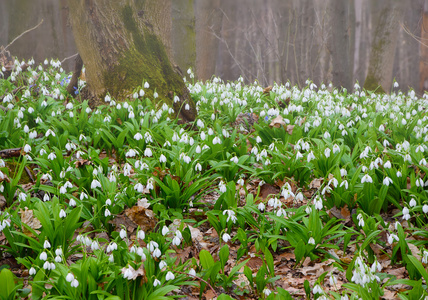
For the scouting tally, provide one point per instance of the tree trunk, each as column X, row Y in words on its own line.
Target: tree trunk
column 125, row 43
column 208, row 26
column 339, row 46
column 183, row 35
column 423, row 62
column 379, row 76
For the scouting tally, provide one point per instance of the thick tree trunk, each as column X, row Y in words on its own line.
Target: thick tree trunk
column 125, row 43
column 423, row 60
column 379, row 76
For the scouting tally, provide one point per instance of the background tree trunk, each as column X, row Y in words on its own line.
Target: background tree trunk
column 423, row 62
column 339, row 46
column 125, row 43
column 385, row 35
column 183, row 34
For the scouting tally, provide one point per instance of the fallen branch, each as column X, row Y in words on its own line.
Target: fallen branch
column 199, row 278
column 67, row 58
column 7, row 153
column 22, row 35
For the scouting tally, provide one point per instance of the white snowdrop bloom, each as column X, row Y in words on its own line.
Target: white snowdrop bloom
column 318, row 203
column 360, row 220
column 381, row 128
column 366, row 178
column 46, row 244
column 162, row 158
column 387, row 165
column 107, row 213
column 399, row 174
column 240, row 182
column 396, row 84
column 32, row 134
column 317, row 289
column 43, row 256
column 95, row 246
column 192, row 272
column 152, row 245
column 226, row 237
column 203, row 136
column 234, row 159
column 22, row 196
column 258, row 140
column 122, row 234
column 141, row 235
column 198, row 167
column 157, row 253
column 187, row 106
column 176, row 241
column 187, row 159
column 230, row 215
column 391, row 238
column 425, row 208
column 62, row 214
column 156, row 282
column 333, row 280
column 310, row 157
column 343, row 172
column 403, row 121
column 216, row 140
column 222, row 186
column 387, row 181
column 412, row 202
column 406, row 213
column 261, row 206
column 267, row 292
column 165, row 230
column 336, row 148
column 47, row 265
column 200, row 123
column 26, row 128
column 128, row 273
column 138, row 136
column 148, row 152
column 52, row 156
column 95, row 184
column 419, row 182
column 74, row 283
column 311, row 241
column 327, row 135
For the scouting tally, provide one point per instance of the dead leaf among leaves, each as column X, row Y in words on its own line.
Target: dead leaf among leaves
column 28, row 218
column 145, row 218
column 277, row 122
column 82, row 162
column 316, row 183
column 135, row 273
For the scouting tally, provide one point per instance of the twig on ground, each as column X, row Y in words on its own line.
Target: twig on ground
column 199, row 278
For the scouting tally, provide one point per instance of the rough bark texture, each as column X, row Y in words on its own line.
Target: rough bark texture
column 125, row 43
column 379, row 76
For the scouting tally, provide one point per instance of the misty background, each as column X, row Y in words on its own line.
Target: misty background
column 271, row 40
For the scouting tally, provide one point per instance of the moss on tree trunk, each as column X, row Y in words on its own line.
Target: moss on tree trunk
column 125, row 43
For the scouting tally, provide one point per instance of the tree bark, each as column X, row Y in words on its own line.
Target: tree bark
column 381, row 63
column 339, row 46
column 125, row 43
column 423, row 62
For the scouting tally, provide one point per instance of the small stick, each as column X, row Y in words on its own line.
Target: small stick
column 7, row 153
column 62, row 61
column 29, row 174
column 199, row 278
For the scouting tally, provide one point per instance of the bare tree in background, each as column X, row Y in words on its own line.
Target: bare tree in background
column 379, row 76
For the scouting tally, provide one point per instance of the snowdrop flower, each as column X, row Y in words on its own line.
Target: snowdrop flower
column 327, row 152
column 261, row 206
column 387, row 181
column 43, row 256
column 419, row 182
column 267, row 292
column 333, row 280
column 226, row 237
column 107, row 213
column 141, row 235
column 138, row 136
column 311, row 241
column 27, row 148
column 122, row 234
column 318, row 203
column 148, row 152
column 399, row 174
column 216, row 140
column 198, row 167
column 46, row 244
column 406, row 213
column 222, row 187
column 234, row 159
column 391, row 238
column 95, row 246
column 32, row 271
column 74, row 283
column 156, row 282
column 366, row 178
column 230, row 215
column 165, row 230
column 157, row 253
column 240, row 182
column 360, row 220
column 425, row 208
column 162, row 158
column 128, row 273
column 62, row 214
column 192, row 272
column 412, row 202
column 317, row 289
column 51, row 156
column 387, row 165
column 95, row 184
column 311, row 156
column 187, row 159
column 22, row 196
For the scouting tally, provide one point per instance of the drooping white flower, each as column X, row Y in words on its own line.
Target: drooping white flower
column 62, row 214
column 226, row 237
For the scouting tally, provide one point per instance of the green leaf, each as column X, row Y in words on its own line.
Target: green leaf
column 7, row 284
column 206, row 259
column 224, row 297
column 224, row 255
